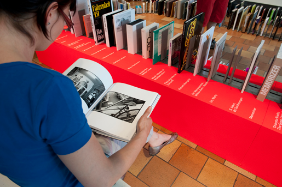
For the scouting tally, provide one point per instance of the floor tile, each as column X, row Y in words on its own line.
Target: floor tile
column 228, row 49
column 161, row 128
column 229, row 43
column 188, row 160
column 248, row 36
column 140, row 17
column 176, row 31
column 234, row 33
column 158, row 173
column 245, row 61
column 131, row 180
column 210, row 154
column 169, row 150
column 218, row 36
column 237, row 39
column 268, row 47
column 253, row 50
column 187, row 142
column 184, row 181
column 243, row 181
column 142, row 159
column 263, row 66
column 240, row 170
column 215, row 174
column 215, row 34
column 260, row 73
column 264, row 59
column 274, row 42
column 168, row 19
column 247, row 54
column 240, row 45
column 270, row 53
column 228, row 37
column 178, row 25
column 252, row 43
column 279, row 44
column 227, row 56
column 264, row 182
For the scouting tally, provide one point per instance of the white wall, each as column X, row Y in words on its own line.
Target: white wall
column 268, row 2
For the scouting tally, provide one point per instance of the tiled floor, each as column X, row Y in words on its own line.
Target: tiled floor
column 183, row 163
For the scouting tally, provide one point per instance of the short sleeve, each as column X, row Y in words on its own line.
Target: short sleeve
column 63, row 124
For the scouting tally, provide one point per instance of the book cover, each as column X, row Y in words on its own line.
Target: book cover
column 174, row 49
column 231, row 6
column 97, row 8
column 217, row 53
column 235, row 65
column 119, row 21
column 263, row 26
column 87, row 25
column 77, row 19
column 271, row 76
column 191, row 28
column 161, row 37
column 180, row 8
column 249, row 74
column 271, row 15
column 232, row 18
column 186, row 5
column 252, row 22
column 109, row 28
column 203, row 52
column 160, row 7
column 112, row 109
column 133, row 30
column 246, row 23
column 175, row 9
column 147, row 40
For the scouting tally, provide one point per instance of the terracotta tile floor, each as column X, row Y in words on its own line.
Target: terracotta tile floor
column 183, row 163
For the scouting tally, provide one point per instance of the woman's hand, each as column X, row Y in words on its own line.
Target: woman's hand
column 145, row 123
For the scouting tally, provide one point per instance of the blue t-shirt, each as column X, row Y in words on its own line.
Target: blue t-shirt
column 40, row 116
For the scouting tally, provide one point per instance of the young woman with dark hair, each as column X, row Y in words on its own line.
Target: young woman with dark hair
column 44, row 136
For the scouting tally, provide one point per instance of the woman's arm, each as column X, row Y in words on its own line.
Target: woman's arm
column 92, row 168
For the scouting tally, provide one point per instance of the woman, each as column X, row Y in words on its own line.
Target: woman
column 44, row 136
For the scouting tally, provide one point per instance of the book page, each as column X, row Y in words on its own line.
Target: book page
column 119, row 111
column 91, row 80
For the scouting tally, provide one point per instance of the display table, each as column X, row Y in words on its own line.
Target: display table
column 235, row 126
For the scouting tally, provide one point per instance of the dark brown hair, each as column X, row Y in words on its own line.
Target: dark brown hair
column 21, row 10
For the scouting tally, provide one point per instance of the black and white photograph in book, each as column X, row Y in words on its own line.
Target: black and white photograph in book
column 88, row 85
column 120, row 106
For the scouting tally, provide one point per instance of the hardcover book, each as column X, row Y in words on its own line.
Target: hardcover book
column 246, row 22
column 109, row 28
column 77, row 19
column 112, row 109
column 237, row 18
column 243, row 17
column 263, row 26
column 219, row 45
column 174, row 49
column 120, row 20
column 249, row 74
column 180, row 7
column 252, row 22
column 271, row 76
column 203, row 52
column 161, row 37
column 87, row 25
column 133, row 30
column 147, row 40
column 232, row 18
column 192, row 29
column 97, row 8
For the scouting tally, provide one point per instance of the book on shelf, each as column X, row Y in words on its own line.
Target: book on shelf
column 169, row 7
column 119, row 21
column 243, row 17
column 186, row 4
column 278, row 25
column 147, row 40
column 77, row 20
column 97, row 8
column 263, row 26
column 192, row 29
column 109, row 27
column 160, row 7
column 232, row 18
column 174, row 49
column 203, row 51
column 257, row 20
column 87, row 25
column 274, row 24
column 230, row 7
column 161, row 37
column 246, row 22
column 172, row 10
column 217, row 53
column 112, row 109
column 254, row 16
column 133, row 30
column 237, row 18
column 271, row 15
column 175, row 9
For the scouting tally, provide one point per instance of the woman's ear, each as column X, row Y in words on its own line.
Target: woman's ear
column 51, row 14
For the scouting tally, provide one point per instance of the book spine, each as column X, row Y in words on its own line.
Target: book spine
column 85, row 26
column 130, row 38
column 92, row 21
column 150, row 7
column 106, row 31
column 143, row 8
column 144, row 43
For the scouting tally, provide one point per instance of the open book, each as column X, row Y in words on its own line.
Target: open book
column 111, row 109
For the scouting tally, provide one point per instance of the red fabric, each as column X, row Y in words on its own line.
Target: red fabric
column 214, row 10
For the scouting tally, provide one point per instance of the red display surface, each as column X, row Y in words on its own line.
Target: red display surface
column 211, row 114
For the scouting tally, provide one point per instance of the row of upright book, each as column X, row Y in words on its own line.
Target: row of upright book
column 181, row 9
column 255, row 19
